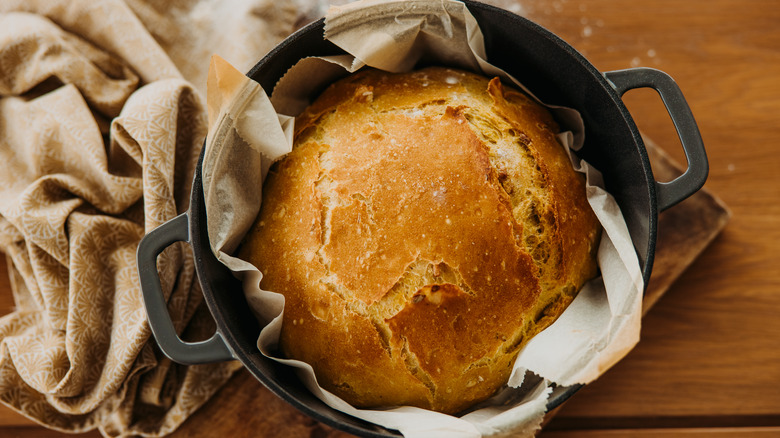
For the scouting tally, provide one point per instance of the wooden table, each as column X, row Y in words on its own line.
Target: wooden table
column 708, row 363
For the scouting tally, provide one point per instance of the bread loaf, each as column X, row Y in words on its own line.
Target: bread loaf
column 424, row 227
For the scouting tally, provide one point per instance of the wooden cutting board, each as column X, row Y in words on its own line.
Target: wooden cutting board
column 245, row 408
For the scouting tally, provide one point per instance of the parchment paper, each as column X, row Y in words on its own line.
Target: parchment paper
column 599, row 327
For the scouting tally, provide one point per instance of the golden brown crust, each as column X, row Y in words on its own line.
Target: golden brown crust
column 424, row 227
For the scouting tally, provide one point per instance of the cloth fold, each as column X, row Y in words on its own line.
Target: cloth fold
column 100, row 132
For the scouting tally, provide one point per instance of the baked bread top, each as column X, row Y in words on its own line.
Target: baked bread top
column 424, row 227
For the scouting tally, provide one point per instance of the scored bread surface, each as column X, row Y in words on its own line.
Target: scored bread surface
column 424, row 227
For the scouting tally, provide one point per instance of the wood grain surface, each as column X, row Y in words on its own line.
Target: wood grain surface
column 708, row 363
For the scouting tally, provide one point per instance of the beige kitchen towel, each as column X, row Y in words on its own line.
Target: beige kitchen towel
column 99, row 134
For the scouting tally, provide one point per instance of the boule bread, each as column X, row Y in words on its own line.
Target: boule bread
column 424, row 227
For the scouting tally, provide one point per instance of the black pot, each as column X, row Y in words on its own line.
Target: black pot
column 555, row 73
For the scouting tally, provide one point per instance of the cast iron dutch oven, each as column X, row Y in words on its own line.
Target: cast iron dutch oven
column 548, row 66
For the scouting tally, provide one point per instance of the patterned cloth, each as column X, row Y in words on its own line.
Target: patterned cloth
column 99, row 134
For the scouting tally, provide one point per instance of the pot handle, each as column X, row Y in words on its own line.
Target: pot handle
column 670, row 193
column 188, row 353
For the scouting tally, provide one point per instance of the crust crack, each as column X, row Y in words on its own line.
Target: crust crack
column 384, row 334
column 510, row 152
column 419, row 273
column 329, row 200
column 413, row 365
